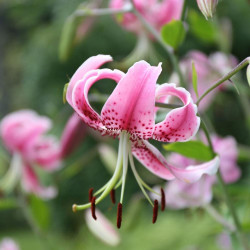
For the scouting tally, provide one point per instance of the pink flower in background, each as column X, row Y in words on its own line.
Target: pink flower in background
column 207, row 7
column 102, row 228
column 8, row 244
column 22, row 133
column 209, row 69
column 156, row 12
column 129, row 113
column 73, row 134
column 182, row 195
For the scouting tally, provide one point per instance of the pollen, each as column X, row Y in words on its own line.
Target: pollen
column 119, row 215
column 112, row 196
column 93, row 207
column 163, row 200
column 155, row 211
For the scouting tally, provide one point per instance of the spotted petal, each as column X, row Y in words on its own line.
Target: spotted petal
column 155, row 162
column 131, row 105
column 180, row 124
column 93, row 62
column 80, row 96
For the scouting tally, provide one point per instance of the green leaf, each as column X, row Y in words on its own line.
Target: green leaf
column 40, row 211
column 191, row 149
column 7, row 203
column 204, row 29
column 67, row 37
column 173, row 33
column 194, row 79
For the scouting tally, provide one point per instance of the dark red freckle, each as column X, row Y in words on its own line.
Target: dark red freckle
column 139, row 121
column 135, row 127
column 93, row 207
column 113, row 110
column 119, row 215
column 163, row 200
column 143, row 124
column 109, row 111
column 90, row 194
column 114, row 103
column 116, row 113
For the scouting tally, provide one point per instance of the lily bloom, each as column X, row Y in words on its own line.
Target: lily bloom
column 8, row 244
column 155, row 12
column 102, row 228
column 181, row 195
column 73, row 134
column 209, row 69
column 22, row 133
column 207, row 7
column 129, row 114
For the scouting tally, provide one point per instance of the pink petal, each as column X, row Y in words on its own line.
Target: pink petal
column 151, row 158
column 31, row 184
column 73, row 134
column 93, row 62
column 8, row 244
column 21, row 127
column 155, row 162
column 102, row 228
column 44, row 151
column 180, row 124
column 131, row 105
column 80, row 96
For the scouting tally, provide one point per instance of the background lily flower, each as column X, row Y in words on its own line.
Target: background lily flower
column 207, row 7
column 102, row 228
column 73, row 134
column 209, row 69
column 156, row 12
column 129, row 113
column 182, row 195
column 22, row 133
column 8, row 244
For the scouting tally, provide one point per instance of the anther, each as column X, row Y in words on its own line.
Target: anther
column 74, row 208
column 119, row 215
column 93, row 207
column 155, row 211
column 90, row 194
column 163, row 200
column 112, row 196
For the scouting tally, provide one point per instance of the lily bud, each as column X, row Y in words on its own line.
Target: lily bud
column 248, row 74
column 207, row 7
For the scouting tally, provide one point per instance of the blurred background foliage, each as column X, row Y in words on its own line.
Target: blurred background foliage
column 33, row 77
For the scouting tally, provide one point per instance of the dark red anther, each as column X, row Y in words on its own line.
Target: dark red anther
column 155, row 211
column 163, row 200
column 119, row 215
column 112, row 196
column 93, row 207
column 91, row 194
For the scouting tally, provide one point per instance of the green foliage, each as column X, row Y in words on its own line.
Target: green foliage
column 40, row 211
column 7, row 203
column 191, row 149
column 173, row 33
column 194, row 79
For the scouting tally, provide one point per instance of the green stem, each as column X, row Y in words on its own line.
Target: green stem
column 167, row 48
column 227, row 76
column 226, row 195
column 167, row 106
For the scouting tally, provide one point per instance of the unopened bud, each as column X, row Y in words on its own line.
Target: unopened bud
column 248, row 74
column 207, row 7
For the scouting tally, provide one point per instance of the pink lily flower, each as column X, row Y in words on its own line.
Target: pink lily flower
column 129, row 113
column 73, row 134
column 182, row 195
column 22, row 133
column 209, row 69
column 156, row 12
column 102, row 228
column 8, row 244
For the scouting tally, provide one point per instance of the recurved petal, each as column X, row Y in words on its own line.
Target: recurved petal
column 31, row 184
column 151, row 158
column 131, row 105
column 91, row 63
column 180, row 124
column 80, row 101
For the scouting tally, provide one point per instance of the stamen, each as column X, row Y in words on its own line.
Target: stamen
column 163, row 200
column 74, row 208
column 112, row 196
column 155, row 211
column 119, row 215
column 90, row 194
column 93, row 207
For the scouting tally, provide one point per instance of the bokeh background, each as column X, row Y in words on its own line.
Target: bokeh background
column 33, row 77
